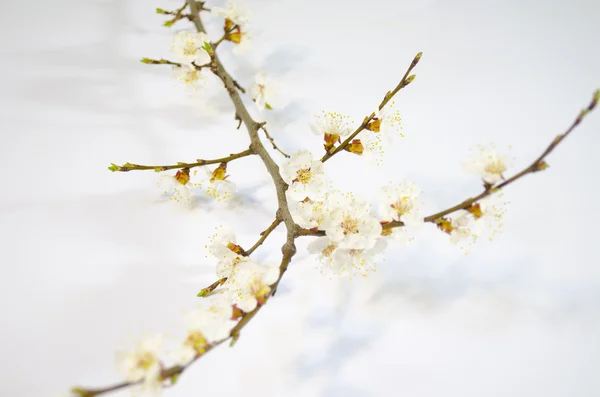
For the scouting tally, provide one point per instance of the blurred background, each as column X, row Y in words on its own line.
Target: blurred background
column 93, row 260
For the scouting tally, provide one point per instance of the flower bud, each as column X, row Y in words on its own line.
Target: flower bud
column 355, row 147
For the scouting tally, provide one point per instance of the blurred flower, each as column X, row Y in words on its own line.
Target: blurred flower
column 251, row 284
column 190, row 76
column 234, row 11
column 228, row 254
column 143, row 364
column 188, row 47
column 345, row 261
column 487, row 164
column 209, row 323
column 262, row 91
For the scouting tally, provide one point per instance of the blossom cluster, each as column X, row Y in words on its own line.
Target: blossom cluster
column 350, row 233
column 180, row 187
column 245, row 285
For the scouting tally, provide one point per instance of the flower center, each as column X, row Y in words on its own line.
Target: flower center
column 260, row 291
column 304, row 176
column 495, row 167
column 350, row 226
column 329, row 250
column 196, row 340
column 146, row 360
column 189, row 48
column 402, row 206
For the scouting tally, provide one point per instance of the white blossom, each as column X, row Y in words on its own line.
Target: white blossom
column 224, row 248
column 350, row 224
column 387, row 122
column 467, row 225
column 251, row 284
column 372, row 148
column 216, row 185
column 213, row 317
column 172, row 186
column 190, row 76
column 345, row 261
column 400, row 202
column 332, row 126
column 210, row 322
column 310, row 214
column 263, row 90
column 463, row 227
column 488, row 164
column 305, row 176
column 243, row 43
column 488, row 213
column 234, row 11
column 143, row 364
column 188, row 47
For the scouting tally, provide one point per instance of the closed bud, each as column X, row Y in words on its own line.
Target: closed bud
column 355, row 147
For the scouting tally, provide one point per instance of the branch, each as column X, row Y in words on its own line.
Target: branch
column 161, row 61
column 538, row 164
column 270, row 138
column 263, row 236
column 252, row 127
column 406, row 80
column 158, row 168
column 177, row 15
column 174, row 371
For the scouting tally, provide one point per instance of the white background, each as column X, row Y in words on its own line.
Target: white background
column 91, row 260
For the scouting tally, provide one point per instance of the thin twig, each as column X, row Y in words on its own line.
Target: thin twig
column 263, row 236
column 238, row 86
column 149, row 61
column 406, row 80
column 283, row 213
column 158, row 168
column 538, row 164
column 206, row 291
column 270, row 138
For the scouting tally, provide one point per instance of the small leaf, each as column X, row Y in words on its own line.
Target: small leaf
column 595, row 100
column 268, row 107
column 174, row 379
column 113, row 167
column 146, row 60
column 207, row 47
column 80, row 392
column 169, row 23
column 204, row 292
column 160, row 11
